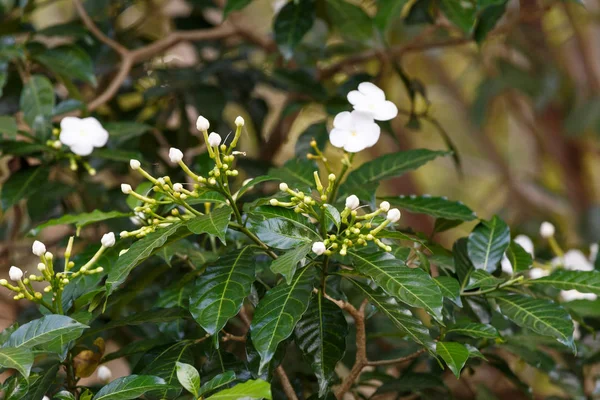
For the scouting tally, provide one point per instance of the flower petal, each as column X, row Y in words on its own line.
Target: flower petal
column 355, row 144
column 82, row 148
column 338, row 137
column 69, row 136
column 343, row 120
column 370, row 134
column 70, row 123
column 385, row 111
column 96, row 134
column 356, row 98
column 372, row 91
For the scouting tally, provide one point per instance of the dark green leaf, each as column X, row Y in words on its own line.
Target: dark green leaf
column 64, row 395
column 487, row 244
column 411, row 382
column 454, row 354
column 40, row 332
column 450, row 288
column 70, row 61
column 351, row 20
column 462, row 265
column 387, row 11
column 249, row 390
column 217, row 382
column 519, row 258
column 487, row 20
column 296, row 173
column 284, row 234
column 144, row 317
column 129, row 387
column 475, row 330
column 214, row 223
column 438, row 207
column 40, row 384
column 8, row 127
column 23, row 184
column 19, row 358
column 162, row 363
column 81, row 220
column 37, row 99
column 286, row 264
column 482, row 280
column 291, row 24
column 317, row 132
column 460, row 13
column 125, row 130
column 582, row 281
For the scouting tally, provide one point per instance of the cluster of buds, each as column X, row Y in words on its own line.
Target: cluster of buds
column 304, row 203
column 168, row 193
column 74, row 159
column 56, row 280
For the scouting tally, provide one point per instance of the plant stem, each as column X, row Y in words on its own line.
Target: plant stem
column 336, row 183
column 254, row 238
column 517, row 280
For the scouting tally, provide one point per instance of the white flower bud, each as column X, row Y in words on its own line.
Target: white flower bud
column 175, row 155
column 352, row 202
column 15, row 273
column 49, row 255
column 41, row 267
column 45, row 398
column 104, row 373
column 318, row 248
column 108, row 240
column 178, row 187
column 331, row 177
column 384, row 206
column 38, row 248
column 393, row 215
column 126, row 188
column 214, row 139
column 283, row 186
column 202, row 124
column 273, row 202
column 124, row 250
column 547, row 230
column 135, row 164
column 239, row 121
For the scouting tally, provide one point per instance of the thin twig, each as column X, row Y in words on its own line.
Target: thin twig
column 399, row 360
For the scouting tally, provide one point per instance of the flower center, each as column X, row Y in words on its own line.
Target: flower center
column 353, row 133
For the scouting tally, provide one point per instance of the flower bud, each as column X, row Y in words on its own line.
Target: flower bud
column 38, row 248
column 123, row 251
column 49, row 255
column 125, row 188
column 393, row 215
column 3, row 282
column 178, row 187
column 352, row 202
column 273, row 202
column 202, row 124
column 175, row 155
column 331, row 177
column 283, row 186
column 45, row 398
column 41, row 267
column 318, row 248
column 134, row 164
column 384, row 206
column 15, row 274
column 239, row 121
column 108, row 240
column 214, row 139
column 104, row 373
column 547, row 230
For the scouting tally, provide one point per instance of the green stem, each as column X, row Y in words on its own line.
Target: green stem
column 336, row 184
column 518, row 280
column 254, row 238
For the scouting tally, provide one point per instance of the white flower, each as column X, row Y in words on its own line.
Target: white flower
column 535, row 273
column 104, row 373
column 202, row 124
column 570, row 295
column 384, row 206
column 354, row 131
column 214, row 139
column 178, row 187
column 45, row 398
column 175, row 155
column 126, row 188
column 283, row 186
column 15, row 273
column 393, row 215
column 135, row 164
column 239, row 121
column 38, row 248
column 318, row 248
column 82, row 135
column 547, row 230
column 525, row 242
column 370, row 99
column 108, row 240
column 506, row 265
column 573, row 260
column 352, row 202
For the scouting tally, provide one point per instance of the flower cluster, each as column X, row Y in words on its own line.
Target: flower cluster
column 355, row 131
column 353, row 229
column 56, row 280
column 168, row 193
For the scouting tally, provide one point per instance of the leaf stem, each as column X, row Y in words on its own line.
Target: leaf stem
column 336, row 184
column 518, row 280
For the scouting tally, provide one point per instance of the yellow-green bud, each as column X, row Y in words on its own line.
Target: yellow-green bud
column 71, row 264
column 38, row 295
column 3, row 282
column 41, row 267
column 297, row 210
column 223, row 147
column 65, row 281
column 274, row 202
column 48, row 289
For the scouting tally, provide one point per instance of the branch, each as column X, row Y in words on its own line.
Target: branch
column 397, row 360
column 87, row 21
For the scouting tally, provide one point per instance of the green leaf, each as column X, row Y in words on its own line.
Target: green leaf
column 387, row 11
column 412, row 286
column 278, row 313
column 411, row 382
column 475, row 330
column 460, row 13
column 40, row 384
column 385, row 167
column 249, row 390
column 462, row 264
column 253, row 182
column 454, row 354
column 351, row 20
column 214, row 223
column 80, row 220
column 19, row 358
column 218, row 381
column 64, row 395
column 482, row 280
column 42, row 331
column 291, row 24
column 140, row 251
column 70, row 61
column 438, row 207
column 220, row 291
column 487, row 244
column 144, row 317
column 129, row 387
column 582, row 281
column 450, row 288
column 410, row 326
column 541, row 316
column 22, row 185
column 234, row 5
column 8, row 127
column 487, row 20
column 37, row 99
column 162, row 363
column 296, row 173
column 284, row 234
column 321, row 335
column 317, row 132
column 519, row 258
column 125, row 130
column 286, row 264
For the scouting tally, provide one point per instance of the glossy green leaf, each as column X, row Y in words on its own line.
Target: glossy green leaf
column 462, row 264
column 64, row 395
column 253, row 182
column 81, row 220
column 350, row 19
column 460, row 13
column 249, row 390
column 144, row 317
column 37, row 99
column 8, row 127
column 454, row 354
column 321, row 335
column 284, row 234
column 450, row 288
column 214, row 223
column 388, row 11
column 162, row 362
column 412, row 286
column 125, row 130
column 292, row 22
column 333, row 215
column 487, row 20
column 487, row 244
column 140, row 251
column 220, row 291
column 19, row 358
column 69, row 61
column 582, row 281
column 297, row 173
column 411, row 382
column 40, row 384
column 40, row 332
column 519, row 258
column 234, row 5
column 22, row 185
column 130, row 387
column 541, row 316
column 278, row 313
column 438, row 207
column 474, row 330
column 218, row 381
column 482, row 280
column 286, row 263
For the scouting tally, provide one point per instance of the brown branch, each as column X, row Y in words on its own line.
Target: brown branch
column 397, row 360
column 361, row 360
column 92, row 27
